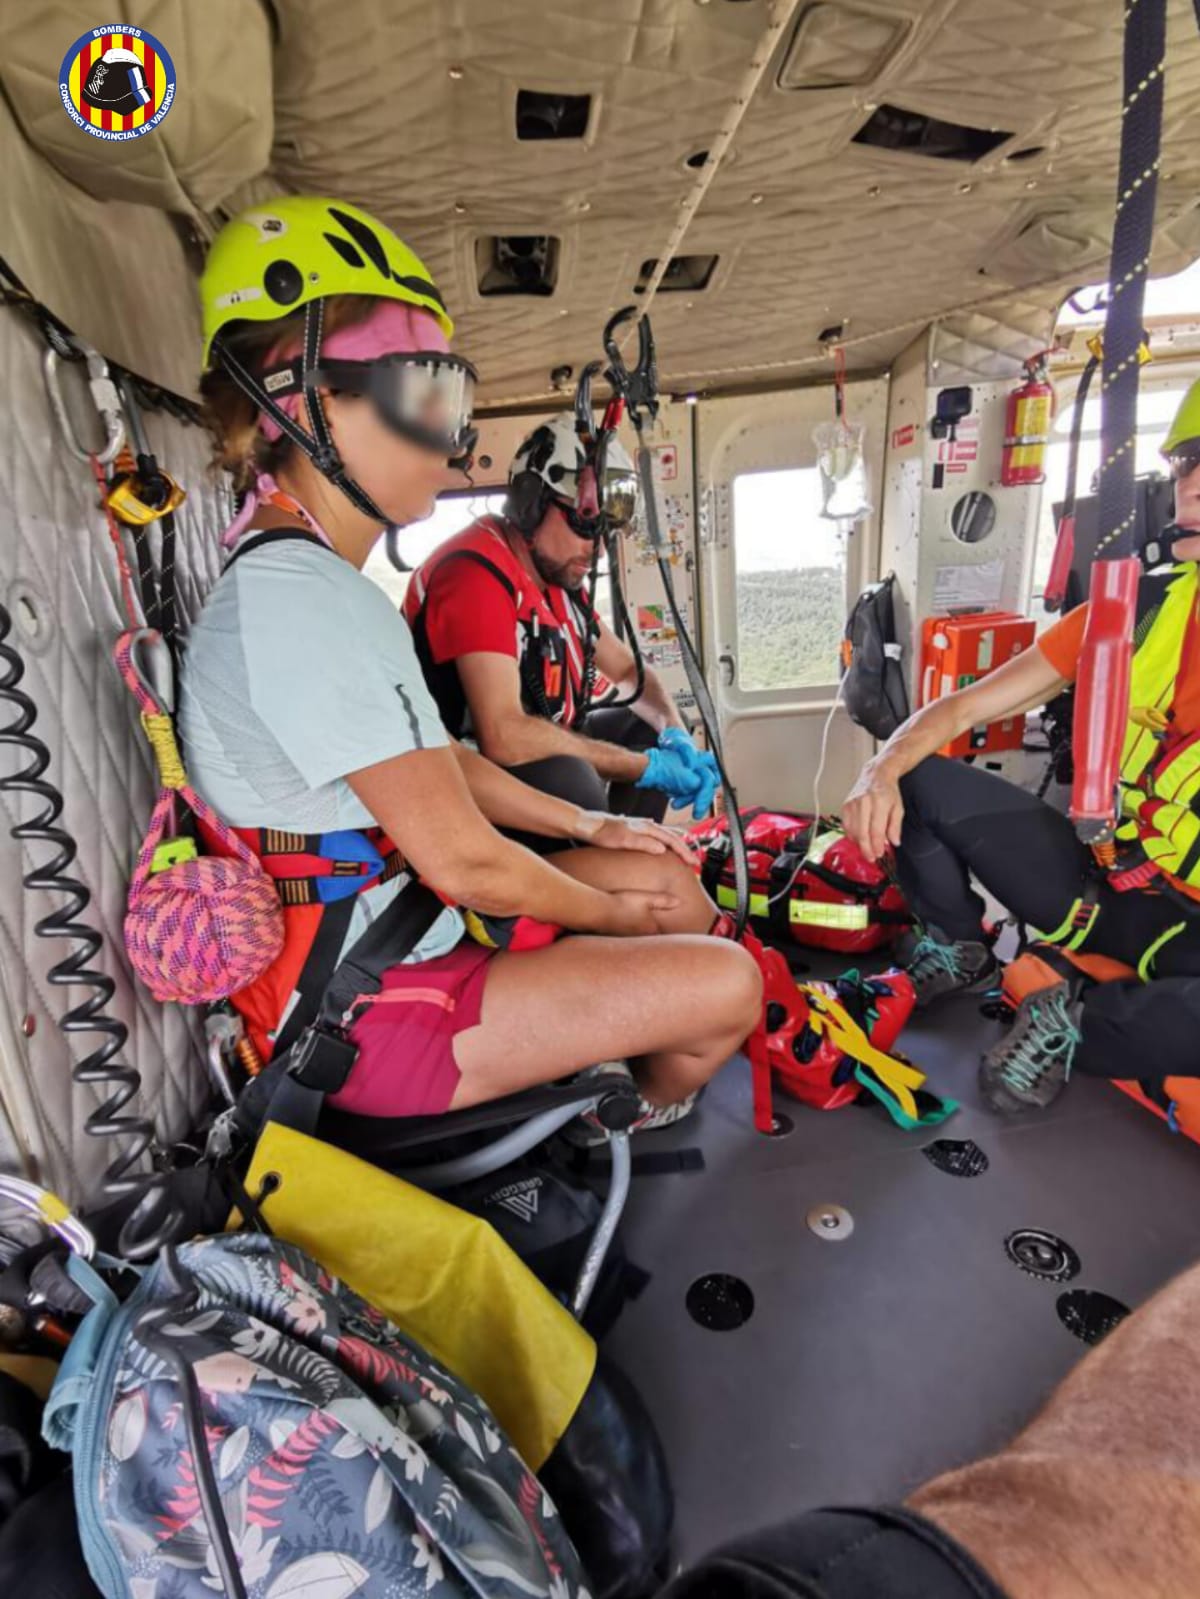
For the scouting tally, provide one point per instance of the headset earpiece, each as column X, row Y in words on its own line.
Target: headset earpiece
column 527, row 503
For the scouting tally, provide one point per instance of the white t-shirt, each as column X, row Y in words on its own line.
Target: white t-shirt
column 298, row 671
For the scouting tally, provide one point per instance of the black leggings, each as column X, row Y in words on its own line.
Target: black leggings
column 841, row 1554
column 961, row 822
column 571, row 778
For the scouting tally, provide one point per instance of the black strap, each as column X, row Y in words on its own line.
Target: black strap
column 275, row 535
column 501, row 576
column 390, row 938
column 317, row 972
column 318, row 1058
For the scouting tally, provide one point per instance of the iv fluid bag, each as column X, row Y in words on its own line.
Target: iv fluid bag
column 843, row 468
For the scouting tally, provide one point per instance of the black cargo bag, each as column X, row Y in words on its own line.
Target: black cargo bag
column 873, row 682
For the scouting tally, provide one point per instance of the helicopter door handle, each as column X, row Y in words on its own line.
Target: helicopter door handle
column 727, row 662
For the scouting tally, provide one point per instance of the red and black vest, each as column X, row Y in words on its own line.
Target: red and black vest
column 556, row 633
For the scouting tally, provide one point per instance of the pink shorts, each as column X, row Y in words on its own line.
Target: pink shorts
column 406, row 1033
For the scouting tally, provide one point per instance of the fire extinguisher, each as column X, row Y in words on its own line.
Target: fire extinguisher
column 1027, row 426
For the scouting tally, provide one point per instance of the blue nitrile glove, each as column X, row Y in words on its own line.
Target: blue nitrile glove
column 669, row 771
column 703, row 762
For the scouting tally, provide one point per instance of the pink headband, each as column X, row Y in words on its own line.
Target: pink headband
column 393, row 328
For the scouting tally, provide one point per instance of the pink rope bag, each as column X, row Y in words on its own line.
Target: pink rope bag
column 197, row 928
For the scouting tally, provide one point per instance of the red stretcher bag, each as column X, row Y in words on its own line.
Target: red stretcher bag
column 823, row 892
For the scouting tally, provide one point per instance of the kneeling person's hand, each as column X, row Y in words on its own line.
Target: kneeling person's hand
column 873, row 814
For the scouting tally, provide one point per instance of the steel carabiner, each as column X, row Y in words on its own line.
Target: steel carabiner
column 104, row 397
column 51, row 1211
column 637, row 385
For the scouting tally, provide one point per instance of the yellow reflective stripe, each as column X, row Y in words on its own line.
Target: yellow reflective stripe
column 727, row 897
column 1148, row 959
column 803, row 912
column 816, row 913
column 1154, row 671
column 1068, row 925
column 1063, row 928
column 1078, row 941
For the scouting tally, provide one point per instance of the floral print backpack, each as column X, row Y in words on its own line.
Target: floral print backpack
column 246, row 1425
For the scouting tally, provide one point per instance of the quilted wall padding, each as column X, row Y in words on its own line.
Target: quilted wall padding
column 58, row 579
column 116, row 271
column 218, row 131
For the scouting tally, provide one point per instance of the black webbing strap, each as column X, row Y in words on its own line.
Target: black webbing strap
column 1133, row 236
column 317, row 972
column 275, row 535
column 293, row 1087
column 532, row 688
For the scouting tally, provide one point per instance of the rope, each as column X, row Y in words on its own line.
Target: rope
column 159, row 728
column 678, row 380
column 782, row 13
column 1133, row 234
column 114, row 533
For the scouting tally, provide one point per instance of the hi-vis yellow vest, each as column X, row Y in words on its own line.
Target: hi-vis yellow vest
column 1160, row 781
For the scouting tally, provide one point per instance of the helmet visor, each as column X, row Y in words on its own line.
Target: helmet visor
column 1183, row 460
column 596, row 491
column 620, row 495
column 428, row 398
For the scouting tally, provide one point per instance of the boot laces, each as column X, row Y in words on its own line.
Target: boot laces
column 931, row 957
column 1049, row 1039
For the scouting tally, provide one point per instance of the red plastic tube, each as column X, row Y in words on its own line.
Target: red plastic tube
column 1102, row 697
column 1060, row 567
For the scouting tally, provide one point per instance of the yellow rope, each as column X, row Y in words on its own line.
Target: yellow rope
column 161, row 733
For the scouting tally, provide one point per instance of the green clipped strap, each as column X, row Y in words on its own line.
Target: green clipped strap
column 931, row 1109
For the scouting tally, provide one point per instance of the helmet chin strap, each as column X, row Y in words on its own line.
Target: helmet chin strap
column 1159, row 549
column 318, row 446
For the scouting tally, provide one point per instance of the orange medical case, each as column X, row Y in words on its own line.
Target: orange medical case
column 957, row 650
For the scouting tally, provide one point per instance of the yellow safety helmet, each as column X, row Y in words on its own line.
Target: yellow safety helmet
column 1186, row 425
column 276, row 257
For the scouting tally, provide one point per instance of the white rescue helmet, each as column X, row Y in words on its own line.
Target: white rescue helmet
column 552, row 466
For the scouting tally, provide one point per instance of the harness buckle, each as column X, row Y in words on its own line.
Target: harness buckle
column 327, row 461
column 322, row 1059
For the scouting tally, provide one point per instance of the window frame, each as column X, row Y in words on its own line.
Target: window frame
column 807, row 695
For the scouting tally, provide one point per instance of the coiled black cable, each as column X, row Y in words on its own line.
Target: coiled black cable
column 154, row 1219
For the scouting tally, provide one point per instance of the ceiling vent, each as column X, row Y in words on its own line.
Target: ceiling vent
column 552, row 116
column 913, row 133
column 684, row 272
column 839, row 46
column 519, row 263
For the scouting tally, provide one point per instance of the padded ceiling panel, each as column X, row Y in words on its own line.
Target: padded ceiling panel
column 811, row 229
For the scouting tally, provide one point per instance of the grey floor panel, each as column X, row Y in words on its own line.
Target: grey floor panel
column 872, row 1364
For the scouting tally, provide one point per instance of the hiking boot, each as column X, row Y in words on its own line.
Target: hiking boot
column 938, row 967
column 1030, row 1067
